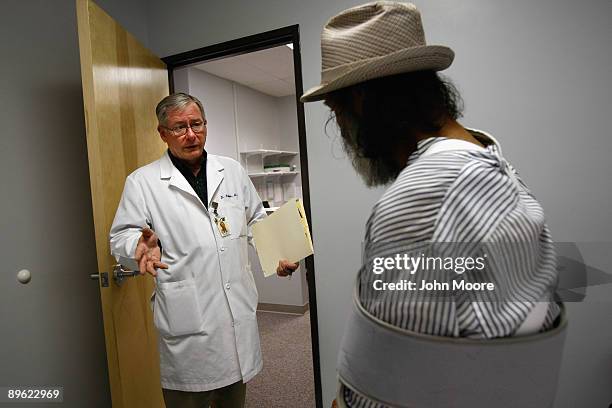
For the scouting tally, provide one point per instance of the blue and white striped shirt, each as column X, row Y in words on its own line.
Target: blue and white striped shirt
column 461, row 196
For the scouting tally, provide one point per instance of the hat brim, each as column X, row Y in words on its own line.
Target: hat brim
column 427, row 57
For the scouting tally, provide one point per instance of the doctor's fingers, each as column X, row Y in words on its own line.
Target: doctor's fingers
column 150, row 264
column 146, row 257
column 142, row 264
column 141, row 248
column 281, row 271
column 151, row 268
column 287, row 267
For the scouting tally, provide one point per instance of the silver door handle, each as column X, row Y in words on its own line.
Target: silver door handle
column 119, row 274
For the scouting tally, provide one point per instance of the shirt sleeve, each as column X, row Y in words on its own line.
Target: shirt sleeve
column 131, row 217
column 488, row 214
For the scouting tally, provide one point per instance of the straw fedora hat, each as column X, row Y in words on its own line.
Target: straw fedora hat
column 372, row 41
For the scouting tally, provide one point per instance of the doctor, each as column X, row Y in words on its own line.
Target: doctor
column 184, row 219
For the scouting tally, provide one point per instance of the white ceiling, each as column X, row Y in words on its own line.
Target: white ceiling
column 269, row 71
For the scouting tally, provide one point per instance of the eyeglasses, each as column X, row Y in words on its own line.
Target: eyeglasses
column 181, row 130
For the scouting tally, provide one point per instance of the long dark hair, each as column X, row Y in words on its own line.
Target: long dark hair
column 395, row 108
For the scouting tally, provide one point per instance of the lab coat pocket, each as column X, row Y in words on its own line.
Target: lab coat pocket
column 237, row 220
column 177, row 309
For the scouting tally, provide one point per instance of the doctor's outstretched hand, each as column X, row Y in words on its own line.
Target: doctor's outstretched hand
column 286, row 268
column 148, row 253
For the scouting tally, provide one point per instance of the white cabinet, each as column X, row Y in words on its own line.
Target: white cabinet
column 256, row 161
column 275, row 174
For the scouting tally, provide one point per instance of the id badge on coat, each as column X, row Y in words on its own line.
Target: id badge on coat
column 223, row 226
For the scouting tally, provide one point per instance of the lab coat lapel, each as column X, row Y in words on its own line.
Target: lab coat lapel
column 214, row 176
column 169, row 172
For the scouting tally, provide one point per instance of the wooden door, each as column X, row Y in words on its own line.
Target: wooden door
column 122, row 83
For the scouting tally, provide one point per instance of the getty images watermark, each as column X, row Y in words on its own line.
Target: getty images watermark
column 487, row 271
column 412, row 264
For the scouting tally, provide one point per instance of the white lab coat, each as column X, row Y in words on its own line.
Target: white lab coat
column 204, row 303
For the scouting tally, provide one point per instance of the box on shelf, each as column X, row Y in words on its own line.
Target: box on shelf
column 275, row 168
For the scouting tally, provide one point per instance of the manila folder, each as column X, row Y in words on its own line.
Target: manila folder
column 282, row 235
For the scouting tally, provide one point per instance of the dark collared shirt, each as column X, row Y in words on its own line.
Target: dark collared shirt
column 198, row 183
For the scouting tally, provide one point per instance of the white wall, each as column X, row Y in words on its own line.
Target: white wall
column 534, row 73
column 216, row 95
column 287, row 124
column 257, row 119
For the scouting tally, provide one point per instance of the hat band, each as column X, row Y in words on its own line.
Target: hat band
column 330, row 74
column 424, row 51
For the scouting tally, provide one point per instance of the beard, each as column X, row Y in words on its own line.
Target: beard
column 374, row 169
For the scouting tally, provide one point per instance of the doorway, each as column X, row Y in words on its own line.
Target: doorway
column 250, row 90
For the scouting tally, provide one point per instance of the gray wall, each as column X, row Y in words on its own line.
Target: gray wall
column 51, row 328
column 534, row 73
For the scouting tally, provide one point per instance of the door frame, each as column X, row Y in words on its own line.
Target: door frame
column 249, row 44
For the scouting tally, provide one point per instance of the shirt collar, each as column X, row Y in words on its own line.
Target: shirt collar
column 422, row 145
column 183, row 168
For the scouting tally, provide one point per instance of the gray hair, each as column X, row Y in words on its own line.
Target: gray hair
column 177, row 101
